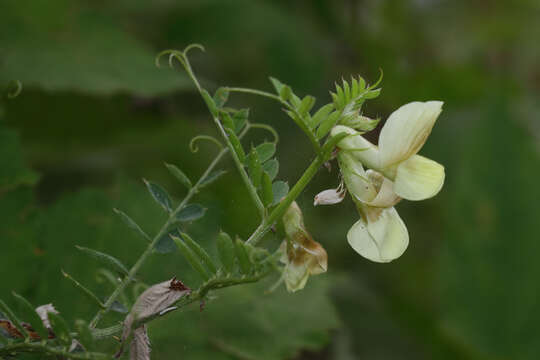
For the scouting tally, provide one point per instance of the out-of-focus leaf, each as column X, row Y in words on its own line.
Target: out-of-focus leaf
column 14, row 319
column 118, row 307
column 239, row 119
column 221, row 96
column 29, row 314
column 92, row 53
column 84, row 335
column 13, row 172
column 263, row 326
column 60, row 328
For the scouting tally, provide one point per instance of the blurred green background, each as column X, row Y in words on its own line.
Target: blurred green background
column 96, row 116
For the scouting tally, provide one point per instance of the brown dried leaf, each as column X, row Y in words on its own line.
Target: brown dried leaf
column 153, row 301
column 140, row 345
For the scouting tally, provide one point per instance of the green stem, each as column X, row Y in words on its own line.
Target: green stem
column 239, row 165
column 198, row 295
column 43, row 348
column 257, row 92
column 301, row 122
column 286, row 202
column 133, row 271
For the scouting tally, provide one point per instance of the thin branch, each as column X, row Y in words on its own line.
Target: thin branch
column 133, row 271
column 43, row 348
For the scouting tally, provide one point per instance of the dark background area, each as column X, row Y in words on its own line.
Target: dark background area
column 96, row 115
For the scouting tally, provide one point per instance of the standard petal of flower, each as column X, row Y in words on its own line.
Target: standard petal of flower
column 355, row 177
column 419, row 178
column 355, row 144
column 329, row 197
column 381, row 239
column 406, row 131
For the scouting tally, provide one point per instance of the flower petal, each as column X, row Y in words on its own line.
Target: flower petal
column 295, row 276
column 386, row 197
column 355, row 177
column 419, row 178
column 355, row 144
column 382, row 239
column 406, row 131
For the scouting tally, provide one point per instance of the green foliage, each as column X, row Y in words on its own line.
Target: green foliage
column 190, row 212
column 184, row 180
column 262, row 326
column 60, row 328
column 92, row 53
column 13, row 171
column 106, row 259
column 30, row 315
column 160, row 195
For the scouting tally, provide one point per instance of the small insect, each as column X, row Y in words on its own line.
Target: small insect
column 178, row 285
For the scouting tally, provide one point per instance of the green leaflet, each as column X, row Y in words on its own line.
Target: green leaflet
column 265, row 151
column 84, row 336
column 321, row 115
column 105, row 259
column 193, row 260
column 132, row 224
column 327, row 124
column 306, row 105
column 221, row 96
column 226, row 251
column 242, row 256
column 29, row 314
column 280, row 189
column 236, row 145
column 191, row 212
column 209, row 103
column 271, row 167
column 200, row 252
column 213, row 176
column 266, row 190
column 160, row 195
column 88, row 293
column 14, row 319
column 239, row 119
column 179, row 175
column 60, row 328
column 255, row 168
